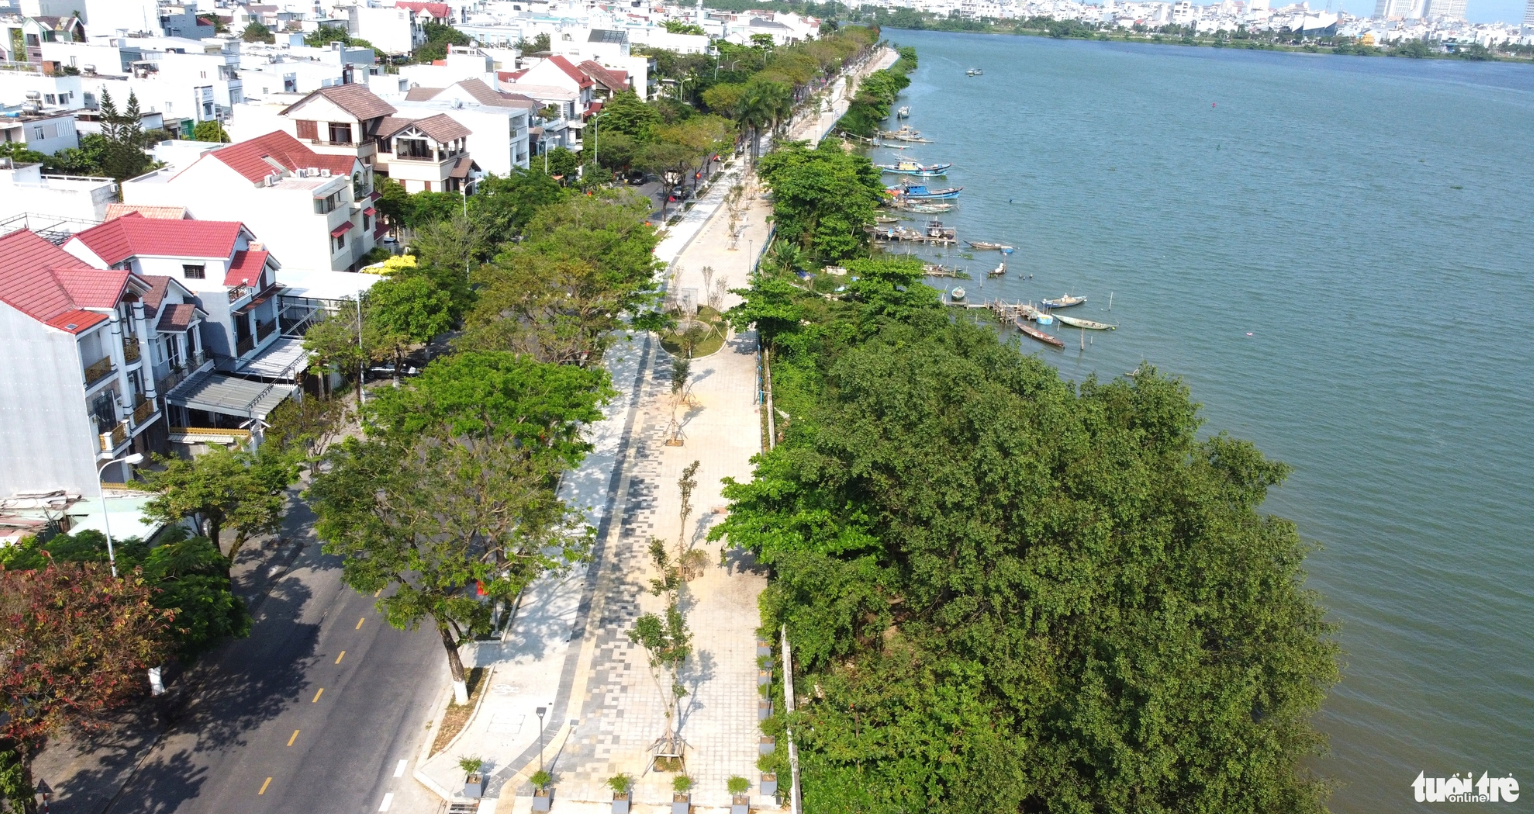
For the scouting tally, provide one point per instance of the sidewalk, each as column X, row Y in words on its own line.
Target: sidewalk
column 569, row 651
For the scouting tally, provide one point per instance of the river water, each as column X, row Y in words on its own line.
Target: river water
column 1337, row 255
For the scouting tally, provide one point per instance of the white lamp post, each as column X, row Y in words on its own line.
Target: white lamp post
column 132, row 459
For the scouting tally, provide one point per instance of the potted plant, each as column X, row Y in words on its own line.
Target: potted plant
column 769, row 784
column 474, row 779
column 543, row 796
column 740, row 801
column 621, row 784
column 681, row 800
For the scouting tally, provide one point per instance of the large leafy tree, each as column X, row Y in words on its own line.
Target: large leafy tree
column 220, row 488
column 451, row 499
column 1012, row 594
column 75, row 643
column 763, row 104
column 626, row 113
column 406, row 311
column 823, row 198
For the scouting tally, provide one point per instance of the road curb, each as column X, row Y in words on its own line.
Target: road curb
column 424, row 753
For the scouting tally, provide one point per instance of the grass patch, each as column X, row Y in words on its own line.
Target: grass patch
column 457, row 715
column 705, row 334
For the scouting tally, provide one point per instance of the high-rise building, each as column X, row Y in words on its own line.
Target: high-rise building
column 1444, row 9
column 1528, row 14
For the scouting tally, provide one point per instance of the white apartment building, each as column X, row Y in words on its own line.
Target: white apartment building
column 24, row 189
column 498, row 122
column 84, row 347
column 45, row 132
column 313, row 210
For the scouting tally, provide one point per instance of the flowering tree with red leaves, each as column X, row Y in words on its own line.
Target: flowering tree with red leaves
column 74, row 644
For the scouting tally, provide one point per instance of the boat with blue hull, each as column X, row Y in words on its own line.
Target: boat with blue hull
column 920, row 192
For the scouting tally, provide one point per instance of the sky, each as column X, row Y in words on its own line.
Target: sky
column 1477, row 11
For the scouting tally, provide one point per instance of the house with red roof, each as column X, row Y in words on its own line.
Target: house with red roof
column 340, row 120
column 314, row 210
column 90, row 354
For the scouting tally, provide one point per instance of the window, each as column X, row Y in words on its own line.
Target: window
column 50, row 98
column 340, row 242
column 340, row 133
column 367, row 222
column 194, row 272
column 308, row 130
column 326, row 205
column 37, row 132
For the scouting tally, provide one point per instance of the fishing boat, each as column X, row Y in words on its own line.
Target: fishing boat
column 974, row 72
column 956, row 294
column 1084, row 323
column 985, row 245
column 903, row 113
column 907, row 167
column 906, row 134
column 1038, row 334
column 920, row 192
column 937, row 231
column 928, row 208
column 1065, row 301
column 886, row 219
column 1000, row 269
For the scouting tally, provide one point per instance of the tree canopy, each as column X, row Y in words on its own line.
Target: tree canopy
column 822, row 198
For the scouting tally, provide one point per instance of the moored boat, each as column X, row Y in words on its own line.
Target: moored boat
column 956, row 294
column 928, row 208
column 903, row 113
column 1065, row 301
column 1000, row 269
column 920, row 192
column 1084, row 323
column 986, row 245
column 905, row 167
column 1035, row 333
column 974, row 72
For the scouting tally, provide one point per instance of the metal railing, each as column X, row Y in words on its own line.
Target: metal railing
column 238, row 292
column 98, row 371
column 245, row 346
column 115, row 438
column 178, row 373
column 240, row 434
column 142, row 412
column 131, row 351
column 264, row 329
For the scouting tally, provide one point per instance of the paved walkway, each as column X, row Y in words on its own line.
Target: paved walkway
column 568, row 651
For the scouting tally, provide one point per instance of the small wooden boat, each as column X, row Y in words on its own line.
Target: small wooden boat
column 886, row 219
column 920, row 192
column 903, row 113
column 937, row 231
column 905, row 167
column 928, row 208
column 998, row 271
column 1038, row 334
column 1065, row 301
column 956, row 294
column 1084, row 323
column 986, row 245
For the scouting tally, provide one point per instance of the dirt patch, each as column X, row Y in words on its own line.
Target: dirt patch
column 457, row 715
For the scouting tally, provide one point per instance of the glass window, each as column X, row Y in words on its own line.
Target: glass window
column 340, row 133
column 194, row 272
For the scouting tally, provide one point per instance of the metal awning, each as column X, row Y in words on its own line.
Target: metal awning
column 369, row 211
column 283, row 359
column 229, row 395
column 341, row 230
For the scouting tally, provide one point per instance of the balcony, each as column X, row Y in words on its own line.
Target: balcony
column 142, row 413
column 238, row 293
column 118, row 436
column 178, row 374
column 131, row 352
column 244, row 346
column 264, row 329
column 98, row 371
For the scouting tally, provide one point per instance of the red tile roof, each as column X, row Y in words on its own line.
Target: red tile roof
column 156, row 293
column 438, row 10
column 571, row 71
column 250, row 158
column 246, row 268
column 43, row 281
column 607, row 78
column 134, row 235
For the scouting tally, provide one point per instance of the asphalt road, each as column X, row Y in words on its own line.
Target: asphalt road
column 315, row 711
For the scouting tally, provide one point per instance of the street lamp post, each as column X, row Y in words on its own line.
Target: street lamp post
column 132, row 459
column 541, row 711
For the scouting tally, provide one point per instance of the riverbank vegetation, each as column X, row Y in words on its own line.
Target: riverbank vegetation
column 1006, row 591
column 871, row 103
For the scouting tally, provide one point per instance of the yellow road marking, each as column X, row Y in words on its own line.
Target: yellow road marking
column 377, row 592
column 359, row 623
column 342, row 656
column 263, row 787
column 317, row 696
column 294, row 738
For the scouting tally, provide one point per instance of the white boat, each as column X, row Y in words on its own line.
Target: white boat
column 974, row 72
column 1001, row 268
column 903, row 113
column 1084, row 323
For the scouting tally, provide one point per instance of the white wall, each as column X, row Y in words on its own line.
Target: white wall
column 25, row 189
column 14, row 87
column 107, row 16
column 388, row 29
column 46, row 437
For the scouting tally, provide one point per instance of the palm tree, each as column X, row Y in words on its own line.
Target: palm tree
column 763, row 104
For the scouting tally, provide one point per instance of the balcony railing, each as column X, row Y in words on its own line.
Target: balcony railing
column 115, row 438
column 237, row 292
column 178, row 374
column 98, row 371
column 264, row 329
column 244, row 346
column 143, row 411
column 130, row 349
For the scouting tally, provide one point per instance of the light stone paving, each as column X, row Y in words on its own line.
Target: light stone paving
column 568, row 650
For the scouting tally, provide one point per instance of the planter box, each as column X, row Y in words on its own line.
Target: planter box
column 769, row 784
column 740, row 804
column 763, row 709
column 768, row 745
column 763, row 678
column 474, row 786
column 542, row 799
column 681, row 804
column 763, row 648
column 620, row 804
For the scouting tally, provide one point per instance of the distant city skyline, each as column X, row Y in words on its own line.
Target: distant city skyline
column 1476, row 11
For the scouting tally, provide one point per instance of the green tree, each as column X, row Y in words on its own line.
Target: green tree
column 505, row 204
column 122, row 134
column 682, row 27
column 325, row 35
column 337, row 342
column 191, row 579
column 763, row 105
column 256, row 32
column 210, row 131
column 537, row 45
column 561, row 163
column 18, row 153
column 220, row 488
column 822, row 198
column 84, row 160
column 626, row 113
column 406, row 311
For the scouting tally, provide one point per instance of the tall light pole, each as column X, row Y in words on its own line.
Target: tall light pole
column 541, row 711
column 132, row 459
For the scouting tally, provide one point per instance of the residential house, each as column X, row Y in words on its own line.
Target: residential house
column 391, row 30
column 41, row 131
column 25, row 189
column 497, row 121
column 605, row 81
column 313, row 210
column 343, row 120
column 426, row 155
column 82, row 371
column 234, row 281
